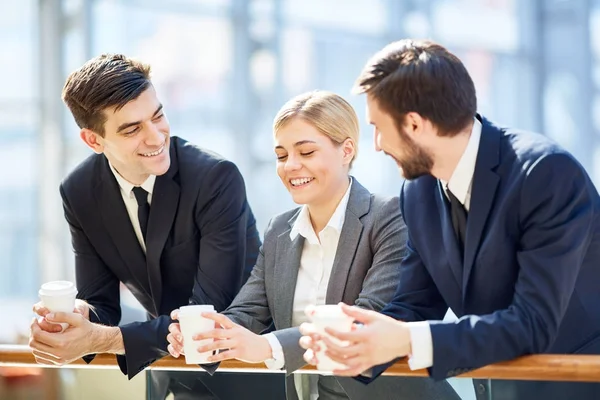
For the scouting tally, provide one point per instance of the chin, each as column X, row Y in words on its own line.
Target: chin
column 300, row 199
column 162, row 168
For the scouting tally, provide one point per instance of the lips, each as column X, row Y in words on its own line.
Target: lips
column 154, row 153
column 300, row 181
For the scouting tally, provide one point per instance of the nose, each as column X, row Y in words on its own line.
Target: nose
column 292, row 164
column 376, row 140
column 154, row 137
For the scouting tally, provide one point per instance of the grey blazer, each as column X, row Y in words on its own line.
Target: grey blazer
column 365, row 273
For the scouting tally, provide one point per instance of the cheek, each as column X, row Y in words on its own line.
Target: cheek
column 280, row 171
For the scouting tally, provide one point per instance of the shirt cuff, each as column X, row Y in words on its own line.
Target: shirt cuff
column 421, row 345
column 278, row 361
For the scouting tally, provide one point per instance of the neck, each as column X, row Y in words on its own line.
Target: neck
column 321, row 213
column 134, row 179
column 448, row 152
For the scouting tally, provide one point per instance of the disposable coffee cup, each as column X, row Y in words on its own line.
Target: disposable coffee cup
column 58, row 296
column 192, row 323
column 329, row 316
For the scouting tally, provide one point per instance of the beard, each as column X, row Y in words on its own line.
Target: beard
column 417, row 161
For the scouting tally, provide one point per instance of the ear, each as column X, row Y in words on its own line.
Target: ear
column 413, row 124
column 92, row 139
column 349, row 150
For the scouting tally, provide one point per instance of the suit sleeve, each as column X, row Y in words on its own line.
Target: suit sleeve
column 222, row 217
column 250, row 308
column 96, row 283
column 556, row 216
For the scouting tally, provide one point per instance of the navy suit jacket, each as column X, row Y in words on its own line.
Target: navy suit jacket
column 201, row 243
column 530, row 279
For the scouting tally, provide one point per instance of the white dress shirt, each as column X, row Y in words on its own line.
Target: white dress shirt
column 131, row 203
column 316, row 263
column 460, row 185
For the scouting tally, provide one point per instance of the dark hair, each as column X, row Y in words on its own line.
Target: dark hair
column 109, row 80
column 423, row 77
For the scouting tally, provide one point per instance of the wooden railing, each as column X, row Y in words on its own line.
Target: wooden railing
column 544, row 367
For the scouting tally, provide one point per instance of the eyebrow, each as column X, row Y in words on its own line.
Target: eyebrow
column 300, row 143
column 130, row 124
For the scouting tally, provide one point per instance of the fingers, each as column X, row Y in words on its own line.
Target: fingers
column 175, row 329
column 307, row 343
column 359, row 314
column 83, row 308
column 215, row 334
column 73, row 319
column 220, row 319
column 309, row 329
column 175, row 314
column 310, row 358
column 310, row 310
column 217, row 345
column 176, row 344
column 172, row 350
column 40, row 310
column 352, row 336
column 222, row 356
column 344, row 350
column 47, row 326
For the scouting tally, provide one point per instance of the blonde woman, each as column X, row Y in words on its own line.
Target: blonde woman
column 342, row 244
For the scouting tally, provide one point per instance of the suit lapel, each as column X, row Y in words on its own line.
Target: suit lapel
column 449, row 237
column 118, row 224
column 287, row 264
column 165, row 200
column 359, row 203
column 483, row 190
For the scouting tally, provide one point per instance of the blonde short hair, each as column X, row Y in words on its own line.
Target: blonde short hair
column 329, row 113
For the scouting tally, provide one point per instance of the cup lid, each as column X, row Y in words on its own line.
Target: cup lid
column 196, row 309
column 58, row 288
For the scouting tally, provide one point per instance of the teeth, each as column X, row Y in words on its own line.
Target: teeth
column 157, row 152
column 300, row 181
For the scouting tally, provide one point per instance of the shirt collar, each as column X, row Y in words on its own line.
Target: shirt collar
column 127, row 186
column 303, row 226
column 462, row 177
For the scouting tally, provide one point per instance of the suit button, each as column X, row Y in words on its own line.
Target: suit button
column 481, row 388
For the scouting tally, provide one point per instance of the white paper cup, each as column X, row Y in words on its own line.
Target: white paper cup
column 59, row 296
column 192, row 323
column 329, row 316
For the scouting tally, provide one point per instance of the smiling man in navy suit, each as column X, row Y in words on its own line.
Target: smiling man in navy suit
column 503, row 228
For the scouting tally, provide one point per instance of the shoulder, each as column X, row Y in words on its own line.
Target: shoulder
column 84, row 175
column 281, row 223
column 205, row 172
column 193, row 159
column 527, row 149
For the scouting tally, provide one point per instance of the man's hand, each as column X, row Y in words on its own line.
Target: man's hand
column 79, row 339
column 380, row 339
column 81, row 307
column 175, row 338
column 237, row 341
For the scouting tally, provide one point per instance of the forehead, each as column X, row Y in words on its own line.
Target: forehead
column 297, row 130
column 373, row 111
column 139, row 109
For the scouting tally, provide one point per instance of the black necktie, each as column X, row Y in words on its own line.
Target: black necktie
column 459, row 219
column 143, row 208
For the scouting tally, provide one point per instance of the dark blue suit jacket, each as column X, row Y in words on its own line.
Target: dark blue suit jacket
column 530, row 279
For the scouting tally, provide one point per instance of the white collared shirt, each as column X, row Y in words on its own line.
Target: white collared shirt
column 460, row 184
column 131, row 203
column 316, row 263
